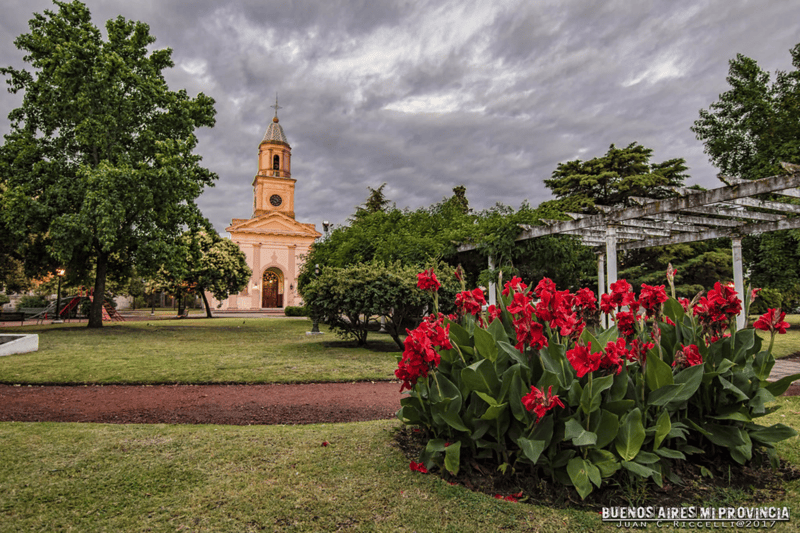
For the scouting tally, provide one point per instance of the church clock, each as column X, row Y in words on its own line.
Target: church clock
column 275, row 200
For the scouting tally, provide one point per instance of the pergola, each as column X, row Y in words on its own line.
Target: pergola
column 730, row 211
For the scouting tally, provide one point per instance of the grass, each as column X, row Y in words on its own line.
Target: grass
column 99, row 477
column 224, row 350
column 82, row 477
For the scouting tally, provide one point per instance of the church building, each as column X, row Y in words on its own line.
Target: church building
column 271, row 239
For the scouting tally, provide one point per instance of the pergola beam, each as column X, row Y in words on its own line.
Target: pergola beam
column 698, row 221
column 762, row 186
column 746, row 229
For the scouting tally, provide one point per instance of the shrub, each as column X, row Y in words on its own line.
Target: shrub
column 28, row 302
column 767, row 299
column 349, row 298
column 295, row 311
column 529, row 388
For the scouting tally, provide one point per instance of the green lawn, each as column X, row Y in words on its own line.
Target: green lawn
column 98, row 477
column 222, row 350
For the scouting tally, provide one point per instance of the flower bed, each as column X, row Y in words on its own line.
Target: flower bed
column 527, row 386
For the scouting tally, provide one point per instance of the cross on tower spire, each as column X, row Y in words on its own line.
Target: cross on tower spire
column 276, row 107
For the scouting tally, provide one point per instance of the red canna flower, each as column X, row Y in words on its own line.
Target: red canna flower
column 520, row 304
column 426, row 281
column 419, row 354
column 515, row 285
column 529, row 333
column 652, row 298
column 754, row 294
column 607, row 304
column 638, row 351
column 585, row 299
column 772, row 321
column 494, row 313
column 615, row 355
column 470, row 301
column 544, row 285
column 626, row 323
column 582, row 360
column 687, row 356
column 539, row 402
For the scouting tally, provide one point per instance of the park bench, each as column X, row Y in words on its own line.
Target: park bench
column 13, row 317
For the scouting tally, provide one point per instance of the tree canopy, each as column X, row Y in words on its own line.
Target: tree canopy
column 747, row 133
column 206, row 263
column 613, row 178
column 99, row 162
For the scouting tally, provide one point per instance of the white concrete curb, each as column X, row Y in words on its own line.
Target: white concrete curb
column 11, row 344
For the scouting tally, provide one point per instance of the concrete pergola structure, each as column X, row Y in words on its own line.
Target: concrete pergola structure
column 729, row 211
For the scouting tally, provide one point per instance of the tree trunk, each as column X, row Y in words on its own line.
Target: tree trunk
column 96, row 310
column 205, row 302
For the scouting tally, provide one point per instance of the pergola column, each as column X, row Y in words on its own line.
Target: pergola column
column 492, row 285
column 601, row 284
column 738, row 278
column 611, row 254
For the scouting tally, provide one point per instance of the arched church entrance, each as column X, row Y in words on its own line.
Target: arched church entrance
column 272, row 288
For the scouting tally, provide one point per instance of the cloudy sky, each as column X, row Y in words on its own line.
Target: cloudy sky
column 425, row 96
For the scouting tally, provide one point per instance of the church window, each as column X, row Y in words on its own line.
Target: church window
column 276, row 163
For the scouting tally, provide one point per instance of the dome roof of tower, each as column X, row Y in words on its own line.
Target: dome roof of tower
column 275, row 133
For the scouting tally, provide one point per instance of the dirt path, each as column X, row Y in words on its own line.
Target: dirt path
column 202, row 404
column 207, row 404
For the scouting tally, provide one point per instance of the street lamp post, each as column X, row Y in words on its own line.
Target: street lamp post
column 60, row 273
column 315, row 324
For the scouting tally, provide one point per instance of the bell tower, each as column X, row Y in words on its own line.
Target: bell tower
column 273, row 186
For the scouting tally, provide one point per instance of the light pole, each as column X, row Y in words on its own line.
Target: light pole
column 60, row 273
column 315, row 324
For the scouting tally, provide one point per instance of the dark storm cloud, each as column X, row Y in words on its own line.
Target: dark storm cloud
column 427, row 96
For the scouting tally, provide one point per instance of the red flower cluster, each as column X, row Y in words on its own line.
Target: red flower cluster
column 470, row 301
column 615, row 355
column 418, row 467
column 494, row 313
column 426, row 281
column 638, row 351
column 539, row 402
column 652, row 299
column 626, row 323
column 515, row 285
column 529, row 332
column 772, row 321
column 716, row 310
column 582, row 360
column 688, row 356
column 419, row 355
column 621, row 296
column 558, row 308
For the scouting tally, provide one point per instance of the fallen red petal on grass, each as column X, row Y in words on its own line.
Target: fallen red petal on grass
column 417, row 467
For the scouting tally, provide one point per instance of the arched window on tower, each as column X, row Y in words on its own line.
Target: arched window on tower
column 276, row 163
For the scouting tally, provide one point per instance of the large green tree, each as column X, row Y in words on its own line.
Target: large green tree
column 99, row 162
column 613, row 178
column 207, row 263
column 747, row 133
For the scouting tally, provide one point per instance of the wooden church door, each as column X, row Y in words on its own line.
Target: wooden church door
column 270, row 293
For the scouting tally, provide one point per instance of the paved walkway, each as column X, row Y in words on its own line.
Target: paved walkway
column 784, row 368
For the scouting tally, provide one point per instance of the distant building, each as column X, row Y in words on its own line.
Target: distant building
column 273, row 241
